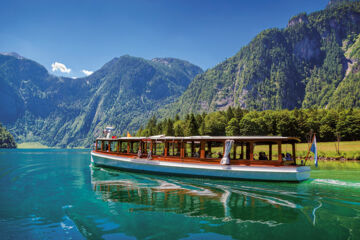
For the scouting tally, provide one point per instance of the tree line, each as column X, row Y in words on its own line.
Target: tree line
column 328, row 124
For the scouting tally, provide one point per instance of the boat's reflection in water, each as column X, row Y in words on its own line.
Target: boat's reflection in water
column 266, row 203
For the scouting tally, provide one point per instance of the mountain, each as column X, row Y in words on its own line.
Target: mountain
column 66, row 112
column 6, row 139
column 348, row 91
column 313, row 62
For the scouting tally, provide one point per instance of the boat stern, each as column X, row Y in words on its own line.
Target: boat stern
column 302, row 173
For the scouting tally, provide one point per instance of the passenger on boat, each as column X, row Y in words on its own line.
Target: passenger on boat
column 288, row 157
column 262, row 156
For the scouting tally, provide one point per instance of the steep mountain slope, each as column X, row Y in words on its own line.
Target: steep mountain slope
column 22, row 84
column 57, row 111
column 302, row 65
column 348, row 92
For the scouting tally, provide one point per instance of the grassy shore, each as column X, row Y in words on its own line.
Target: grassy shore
column 38, row 145
column 35, row 145
column 326, row 150
column 333, row 165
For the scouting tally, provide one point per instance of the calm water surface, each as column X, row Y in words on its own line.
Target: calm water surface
column 55, row 194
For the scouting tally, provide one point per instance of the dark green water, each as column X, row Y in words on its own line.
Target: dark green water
column 55, row 194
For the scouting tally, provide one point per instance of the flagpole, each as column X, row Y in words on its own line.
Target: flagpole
column 307, row 155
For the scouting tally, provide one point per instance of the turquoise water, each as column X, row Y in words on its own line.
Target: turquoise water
column 55, row 194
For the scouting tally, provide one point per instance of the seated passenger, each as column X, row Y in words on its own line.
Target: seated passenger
column 220, row 155
column 288, row 157
column 262, row 156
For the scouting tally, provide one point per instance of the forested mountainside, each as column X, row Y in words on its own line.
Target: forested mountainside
column 6, row 139
column 66, row 112
column 313, row 62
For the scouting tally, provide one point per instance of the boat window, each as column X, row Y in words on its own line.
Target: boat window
column 98, row 148
column 147, row 145
column 106, row 146
column 214, row 149
column 238, row 151
column 286, row 152
column 158, row 148
column 134, row 147
column 174, row 149
column 192, row 149
column 123, row 147
column 113, row 146
column 266, row 151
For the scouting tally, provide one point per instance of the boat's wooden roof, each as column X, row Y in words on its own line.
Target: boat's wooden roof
column 208, row 138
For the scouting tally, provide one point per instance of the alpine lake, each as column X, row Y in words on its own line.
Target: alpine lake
column 57, row 194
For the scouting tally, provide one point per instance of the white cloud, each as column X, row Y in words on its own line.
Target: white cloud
column 86, row 72
column 56, row 66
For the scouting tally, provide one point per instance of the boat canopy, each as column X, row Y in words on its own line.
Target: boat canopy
column 211, row 138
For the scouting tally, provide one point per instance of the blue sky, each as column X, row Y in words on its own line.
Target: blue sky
column 84, row 35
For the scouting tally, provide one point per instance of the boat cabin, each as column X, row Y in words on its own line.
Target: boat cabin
column 255, row 150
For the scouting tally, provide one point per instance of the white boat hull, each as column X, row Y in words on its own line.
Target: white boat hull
column 271, row 173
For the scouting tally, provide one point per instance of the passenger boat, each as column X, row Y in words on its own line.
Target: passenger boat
column 204, row 156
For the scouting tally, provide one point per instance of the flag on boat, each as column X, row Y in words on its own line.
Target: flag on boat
column 314, row 150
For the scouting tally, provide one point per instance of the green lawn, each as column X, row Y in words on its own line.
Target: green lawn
column 31, row 145
column 326, row 150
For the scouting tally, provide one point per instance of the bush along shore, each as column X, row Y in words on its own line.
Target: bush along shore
column 337, row 130
column 6, row 139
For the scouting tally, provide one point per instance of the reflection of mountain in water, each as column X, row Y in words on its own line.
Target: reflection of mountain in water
column 196, row 198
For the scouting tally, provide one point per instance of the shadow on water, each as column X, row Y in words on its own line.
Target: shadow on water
column 230, row 206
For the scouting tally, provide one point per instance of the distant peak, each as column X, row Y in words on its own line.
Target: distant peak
column 165, row 61
column 169, row 60
column 12, row 54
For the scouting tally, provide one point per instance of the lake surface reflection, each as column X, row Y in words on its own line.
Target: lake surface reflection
column 53, row 194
